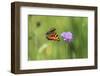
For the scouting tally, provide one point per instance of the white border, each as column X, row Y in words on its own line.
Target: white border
column 25, row 64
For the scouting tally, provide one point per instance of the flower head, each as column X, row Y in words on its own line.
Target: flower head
column 67, row 36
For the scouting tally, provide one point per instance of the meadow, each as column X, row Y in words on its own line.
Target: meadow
column 40, row 48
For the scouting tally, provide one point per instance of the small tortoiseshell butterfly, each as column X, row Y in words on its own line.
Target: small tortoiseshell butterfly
column 52, row 35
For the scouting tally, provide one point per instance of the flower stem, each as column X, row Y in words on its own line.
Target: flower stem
column 71, row 51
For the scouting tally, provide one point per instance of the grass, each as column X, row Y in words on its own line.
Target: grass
column 40, row 48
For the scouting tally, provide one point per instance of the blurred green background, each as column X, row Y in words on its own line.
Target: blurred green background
column 40, row 48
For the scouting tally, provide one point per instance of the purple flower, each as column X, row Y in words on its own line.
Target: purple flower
column 67, row 36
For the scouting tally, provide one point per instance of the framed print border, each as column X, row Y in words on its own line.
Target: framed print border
column 15, row 36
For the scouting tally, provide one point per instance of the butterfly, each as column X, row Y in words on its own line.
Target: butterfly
column 52, row 35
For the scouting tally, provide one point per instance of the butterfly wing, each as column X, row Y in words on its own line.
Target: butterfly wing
column 53, row 36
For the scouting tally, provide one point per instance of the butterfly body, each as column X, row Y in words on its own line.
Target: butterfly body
column 52, row 35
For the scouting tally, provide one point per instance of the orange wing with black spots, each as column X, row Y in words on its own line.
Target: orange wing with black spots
column 52, row 35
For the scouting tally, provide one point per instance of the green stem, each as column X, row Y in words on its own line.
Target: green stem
column 71, row 51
